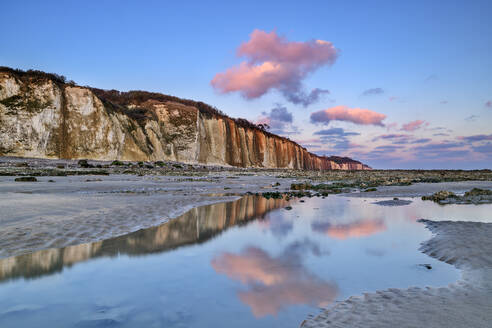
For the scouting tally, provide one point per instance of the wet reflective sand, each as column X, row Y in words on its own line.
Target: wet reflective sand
column 250, row 263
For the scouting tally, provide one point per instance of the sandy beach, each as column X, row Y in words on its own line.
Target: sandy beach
column 70, row 210
column 59, row 211
column 81, row 209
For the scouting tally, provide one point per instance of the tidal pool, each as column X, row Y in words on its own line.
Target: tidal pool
column 247, row 263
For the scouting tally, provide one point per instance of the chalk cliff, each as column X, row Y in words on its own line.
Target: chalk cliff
column 41, row 115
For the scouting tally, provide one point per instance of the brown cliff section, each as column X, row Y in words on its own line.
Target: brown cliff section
column 42, row 115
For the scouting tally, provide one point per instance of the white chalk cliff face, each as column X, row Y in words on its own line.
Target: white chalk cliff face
column 43, row 117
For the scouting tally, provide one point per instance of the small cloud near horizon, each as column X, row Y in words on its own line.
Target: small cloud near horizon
column 476, row 137
column 431, row 77
column 305, row 99
column 442, row 150
column 391, row 126
column 484, row 149
column 401, row 139
column 414, row 125
column 337, row 139
column 359, row 116
column 373, row 91
column 336, row 132
column 421, row 140
column 488, row 104
column 279, row 119
column 394, row 137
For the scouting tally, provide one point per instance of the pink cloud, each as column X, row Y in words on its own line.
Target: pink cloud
column 252, row 81
column 344, row 113
column 414, row 125
column 392, row 98
column 391, row 126
column 264, row 46
column 488, row 104
column 273, row 62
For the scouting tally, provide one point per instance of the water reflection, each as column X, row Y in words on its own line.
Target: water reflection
column 276, row 282
column 271, row 269
column 195, row 226
column 362, row 228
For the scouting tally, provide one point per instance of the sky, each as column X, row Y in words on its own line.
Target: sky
column 394, row 84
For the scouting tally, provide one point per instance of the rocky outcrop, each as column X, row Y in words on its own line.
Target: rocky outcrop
column 474, row 196
column 42, row 116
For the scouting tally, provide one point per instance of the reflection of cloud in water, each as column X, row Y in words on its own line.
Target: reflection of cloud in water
column 356, row 229
column 275, row 282
column 281, row 228
column 269, row 300
column 277, row 225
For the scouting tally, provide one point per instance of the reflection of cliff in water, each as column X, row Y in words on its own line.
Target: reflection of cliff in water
column 195, row 226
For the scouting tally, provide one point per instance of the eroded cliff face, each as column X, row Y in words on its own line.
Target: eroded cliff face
column 42, row 117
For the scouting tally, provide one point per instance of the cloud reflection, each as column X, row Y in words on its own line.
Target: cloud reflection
column 356, row 229
column 275, row 282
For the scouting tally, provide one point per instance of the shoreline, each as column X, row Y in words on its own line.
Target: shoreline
column 82, row 209
column 68, row 205
column 465, row 303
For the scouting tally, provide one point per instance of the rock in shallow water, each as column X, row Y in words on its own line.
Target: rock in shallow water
column 393, row 202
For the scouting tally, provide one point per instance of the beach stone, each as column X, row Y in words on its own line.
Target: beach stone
column 393, row 202
column 26, row 179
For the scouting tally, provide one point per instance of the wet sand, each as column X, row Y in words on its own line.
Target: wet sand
column 80, row 209
column 466, row 303
column 73, row 210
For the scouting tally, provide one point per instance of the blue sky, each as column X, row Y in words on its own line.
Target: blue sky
column 430, row 59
